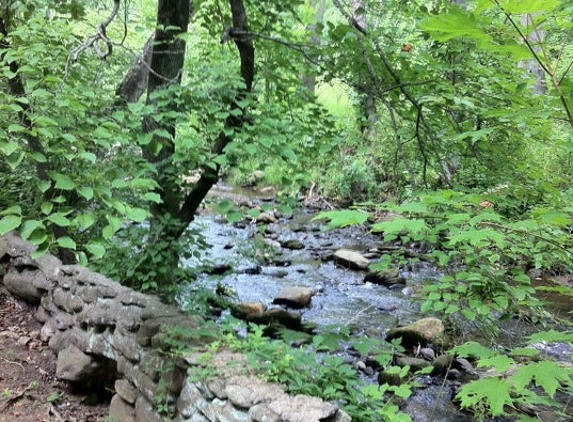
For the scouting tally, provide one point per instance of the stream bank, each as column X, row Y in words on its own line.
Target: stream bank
column 257, row 260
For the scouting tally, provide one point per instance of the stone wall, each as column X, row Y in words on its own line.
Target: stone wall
column 102, row 331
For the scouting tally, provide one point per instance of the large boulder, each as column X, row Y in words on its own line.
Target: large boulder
column 351, row 259
column 420, row 332
column 294, row 296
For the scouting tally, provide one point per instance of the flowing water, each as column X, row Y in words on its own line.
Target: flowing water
column 341, row 297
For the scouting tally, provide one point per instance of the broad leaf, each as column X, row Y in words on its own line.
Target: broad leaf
column 9, row 223
column 493, row 392
column 547, row 375
column 343, row 218
column 66, row 242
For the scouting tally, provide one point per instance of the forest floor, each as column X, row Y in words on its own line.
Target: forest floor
column 29, row 389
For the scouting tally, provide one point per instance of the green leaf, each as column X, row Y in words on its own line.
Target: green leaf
column 14, row 160
column 398, row 225
column 137, row 214
column 473, row 349
column 29, row 226
column 234, row 216
column 455, row 24
column 9, row 223
column 107, row 232
column 96, row 249
column 63, row 182
column 500, row 362
column 545, row 374
column 38, row 237
column 46, row 207
column 86, row 192
column 40, row 252
column 412, row 208
column 39, row 157
column 551, row 336
column 66, row 242
column 101, row 132
column 8, row 147
column 14, row 209
column 59, row 219
column 529, row 6
column 153, row 197
column 88, row 156
column 478, row 238
column 342, row 218
column 85, row 220
column 114, row 222
column 493, row 392
column 119, row 184
column 43, row 185
column 144, row 183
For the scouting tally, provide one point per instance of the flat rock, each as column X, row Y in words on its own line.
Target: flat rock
column 294, row 296
column 351, row 259
column 419, row 332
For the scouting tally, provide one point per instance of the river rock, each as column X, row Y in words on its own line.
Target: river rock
column 266, row 218
column 415, row 364
column 442, row 364
column 246, row 309
column 420, row 332
column 292, row 244
column 285, row 318
column 351, row 259
column 389, row 378
column 384, row 277
column 294, row 296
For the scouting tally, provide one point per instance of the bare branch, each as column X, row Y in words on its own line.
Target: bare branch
column 94, row 40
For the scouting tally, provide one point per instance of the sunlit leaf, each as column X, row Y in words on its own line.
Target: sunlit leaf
column 9, row 223
column 344, row 218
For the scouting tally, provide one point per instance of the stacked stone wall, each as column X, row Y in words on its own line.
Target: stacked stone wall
column 102, row 331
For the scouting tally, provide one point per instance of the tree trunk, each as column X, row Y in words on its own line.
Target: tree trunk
column 167, row 61
column 135, row 82
column 172, row 216
column 16, row 86
column 210, row 174
column 308, row 78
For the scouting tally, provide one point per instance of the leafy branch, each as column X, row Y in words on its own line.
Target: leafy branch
column 543, row 64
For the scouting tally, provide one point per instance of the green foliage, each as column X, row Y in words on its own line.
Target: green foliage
column 147, row 263
column 316, row 369
column 508, row 382
column 342, row 218
column 484, row 255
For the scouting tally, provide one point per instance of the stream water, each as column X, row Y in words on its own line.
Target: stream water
column 341, row 297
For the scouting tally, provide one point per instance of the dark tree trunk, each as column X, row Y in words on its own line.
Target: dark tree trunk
column 135, row 82
column 166, row 68
column 167, row 61
column 210, row 175
column 16, row 86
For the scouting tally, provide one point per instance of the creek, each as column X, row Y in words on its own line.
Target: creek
column 341, row 297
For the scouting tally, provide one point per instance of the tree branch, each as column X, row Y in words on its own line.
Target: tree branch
column 94, row 40
column 210, row 174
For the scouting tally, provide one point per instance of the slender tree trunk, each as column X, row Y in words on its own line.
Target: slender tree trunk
column 34, row 143
column 536, row 38
column 172, row 216
column 210, row 174
column 309, row 78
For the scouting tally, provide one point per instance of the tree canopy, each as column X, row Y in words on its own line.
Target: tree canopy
column 110, row 108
